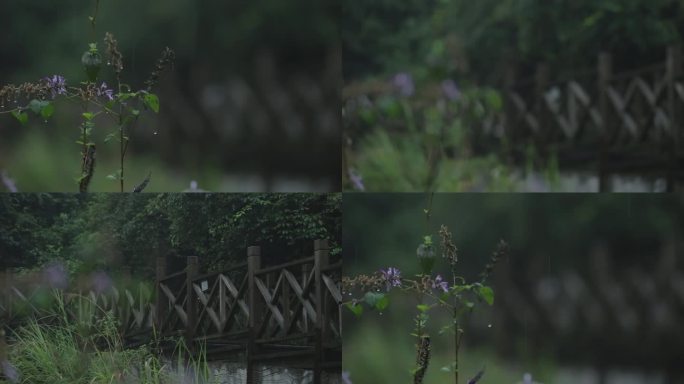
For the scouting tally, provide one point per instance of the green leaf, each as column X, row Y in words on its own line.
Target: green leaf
column 444, row 296
column 88, row 115
column 487, row 293
column 124, row 96
column 382, row 303
column 151, row 101
column 423, row 307
column 47, row 110
column 21, row 116
column 110, row 136
column 135, row 112
column 356, row 309
column 115, row 176
column 37, row 106
column 372, row 298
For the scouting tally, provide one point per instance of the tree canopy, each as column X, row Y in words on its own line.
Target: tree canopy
column 478, row 38
column 108, row 230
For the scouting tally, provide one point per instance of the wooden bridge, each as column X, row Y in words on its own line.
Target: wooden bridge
column 285, row 314
column 627, row 123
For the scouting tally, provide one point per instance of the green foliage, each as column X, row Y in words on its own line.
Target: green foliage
column 22, row 117
column 90, row 350
column 422, row 144
column 151, row 101
column 487, row 294
column 105, row 231
column 477, row 39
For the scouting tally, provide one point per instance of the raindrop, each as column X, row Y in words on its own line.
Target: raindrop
column 45, row 121
column 109, row 63
column 380, row 313
column 489, row 325
column 155, row 132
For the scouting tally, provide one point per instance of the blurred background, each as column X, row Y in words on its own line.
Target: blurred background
column 591, row 292
column 420, row 72
column 251, row 103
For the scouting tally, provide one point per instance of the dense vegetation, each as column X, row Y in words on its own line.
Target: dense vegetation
column 106, row 231
column 415, row 74
column 477, row 39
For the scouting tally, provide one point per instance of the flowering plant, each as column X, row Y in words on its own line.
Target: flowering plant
column 97, row 99
column 434, row 291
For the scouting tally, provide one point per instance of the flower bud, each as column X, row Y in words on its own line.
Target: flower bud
column 92, row 62
column 426, row 257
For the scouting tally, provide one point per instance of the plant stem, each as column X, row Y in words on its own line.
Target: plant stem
column 122, row 153
column 93, row 19
column 457, row 344
column 84, row 138
column 428, row 213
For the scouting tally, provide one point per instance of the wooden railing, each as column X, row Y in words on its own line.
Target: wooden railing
column 630, row 122
column 605, row 313
column 287, row 312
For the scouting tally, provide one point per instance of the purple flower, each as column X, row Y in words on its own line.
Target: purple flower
column 101, row 282
column 357, row 180
column 56, row 84
column 106, row 92
column 438, row 282
column 403, row 82
column 11, row 373
column 346, row 377
column 392, row 277
column 55, row 275
column 450, row 90
column 7, row 182
column 477, row 377
column 527, row 378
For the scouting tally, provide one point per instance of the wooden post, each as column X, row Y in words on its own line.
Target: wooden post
column 253, row 265
column 285, row 300
column 541, row 83
column 321, row 259
column 306, row 271
column 161, row 300
column 191, row 272
column 605, row 73
column 674, row 72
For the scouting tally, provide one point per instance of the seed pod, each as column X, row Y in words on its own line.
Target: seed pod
column 426, row 257
column 91, row 62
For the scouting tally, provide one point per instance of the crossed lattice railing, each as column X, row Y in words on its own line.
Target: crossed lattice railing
column 295, row 303
column 626, row 122
column 22, row 298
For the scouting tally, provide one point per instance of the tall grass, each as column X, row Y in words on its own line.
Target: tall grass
column 89, row 349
